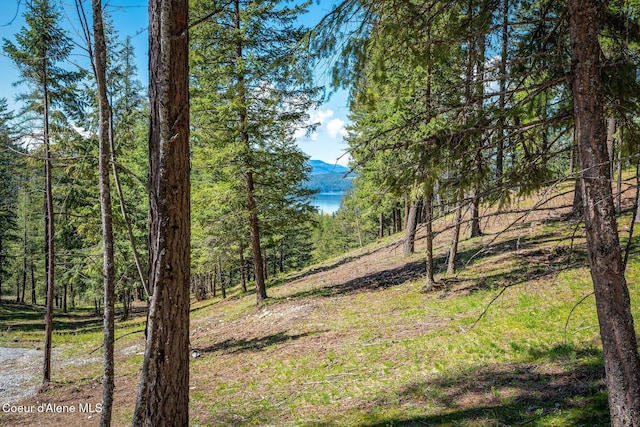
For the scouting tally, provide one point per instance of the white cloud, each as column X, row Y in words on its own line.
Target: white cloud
column 335, row 128
column 326, row 141
column 320, row 116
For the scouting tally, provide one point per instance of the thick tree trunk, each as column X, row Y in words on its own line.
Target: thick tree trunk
column 622, row 363
column 163, row 393
column 410, row 230
column 108, row 265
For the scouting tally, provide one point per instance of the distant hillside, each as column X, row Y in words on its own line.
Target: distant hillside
column 329, row 178
column 318, row 167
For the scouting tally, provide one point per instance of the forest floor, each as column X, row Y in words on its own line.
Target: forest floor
column 510, row 339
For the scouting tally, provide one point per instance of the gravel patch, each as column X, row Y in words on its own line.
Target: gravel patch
column 19, row 370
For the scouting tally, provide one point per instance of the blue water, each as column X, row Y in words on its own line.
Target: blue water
column 327, row 203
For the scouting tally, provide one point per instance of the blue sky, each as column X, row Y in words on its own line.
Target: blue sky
column 130, row 18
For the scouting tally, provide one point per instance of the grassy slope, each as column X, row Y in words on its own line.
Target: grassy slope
column 356, row 342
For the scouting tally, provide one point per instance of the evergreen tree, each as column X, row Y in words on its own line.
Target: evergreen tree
column 251, row 90
column 41, row 46
column 9, row 184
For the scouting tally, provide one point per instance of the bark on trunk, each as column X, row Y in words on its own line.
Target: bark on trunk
column 163, row 393
column 108, row 266
column 453, row 251
column 50, row 233
column 254, row 228
column 622, row 363
column 410, row 230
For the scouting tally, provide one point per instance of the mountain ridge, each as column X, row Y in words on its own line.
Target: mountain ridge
column 329, row 178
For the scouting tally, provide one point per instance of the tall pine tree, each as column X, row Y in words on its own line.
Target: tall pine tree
column 252, row 88
column 42, row 45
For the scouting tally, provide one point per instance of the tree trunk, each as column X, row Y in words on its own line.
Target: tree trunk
column 254, row 227
column 394, row 225
column 356, row 215
column 410, row 230
column 398, row 219
column 221, row 276
column 428, row 207
column 381, row 225
column 33, row 284
column 24, row 252
column 163, row 393
column 108, row 262
column 502, row 99
column 50, row 252
column 619, row 178
column 621, row 360
column 243, row 272
column 611, row 144
column 453, row 251
column 475, row 216
column 215, row 280
column 265, row 266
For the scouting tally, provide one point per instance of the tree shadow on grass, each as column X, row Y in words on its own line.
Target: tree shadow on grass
column 324, row 268
column 510, row 394
column 235, row 346
column 375, row 281
column 25, row 318
column 535, row 261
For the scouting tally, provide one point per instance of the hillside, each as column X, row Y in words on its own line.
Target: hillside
column 356, row 341
column 328, row 178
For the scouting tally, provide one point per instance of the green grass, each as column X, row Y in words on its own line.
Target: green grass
column 503, row 342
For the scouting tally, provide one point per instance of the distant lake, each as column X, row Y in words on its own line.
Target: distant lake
column 327, row 202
